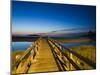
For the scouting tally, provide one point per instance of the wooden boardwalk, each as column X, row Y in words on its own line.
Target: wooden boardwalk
column 46, row 55
column 44, row 60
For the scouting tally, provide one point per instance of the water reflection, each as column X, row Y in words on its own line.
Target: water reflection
column 20, row 45
column 70, row 45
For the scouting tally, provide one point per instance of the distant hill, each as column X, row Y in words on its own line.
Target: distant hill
column 33, row 35
column 90, row 34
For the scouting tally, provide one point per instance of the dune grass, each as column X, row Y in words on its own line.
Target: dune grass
column 88, row 51
column 17, row 53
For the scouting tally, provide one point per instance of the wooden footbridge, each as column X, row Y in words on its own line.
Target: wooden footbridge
column 48, row 55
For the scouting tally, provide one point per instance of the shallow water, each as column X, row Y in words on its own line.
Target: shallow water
column 20, row 45
column 70, row 45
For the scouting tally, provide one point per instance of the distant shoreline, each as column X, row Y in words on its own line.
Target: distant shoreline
column 19, row 39
column 61, row 40
column 74, row 40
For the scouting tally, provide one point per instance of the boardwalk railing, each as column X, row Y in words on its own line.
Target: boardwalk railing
column 68, row 59
column 24, row 61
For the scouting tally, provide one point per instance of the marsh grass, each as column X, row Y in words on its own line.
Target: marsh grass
column 17, row 53
column 87, row 51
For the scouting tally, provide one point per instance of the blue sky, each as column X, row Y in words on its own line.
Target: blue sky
column 32, row 17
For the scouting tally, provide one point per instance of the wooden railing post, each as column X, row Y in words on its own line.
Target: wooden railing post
column 71, row 53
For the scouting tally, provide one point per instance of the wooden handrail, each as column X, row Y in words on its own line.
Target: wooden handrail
column 70, row 60
column 56, row 58
column 24, row 57
column 86, row 60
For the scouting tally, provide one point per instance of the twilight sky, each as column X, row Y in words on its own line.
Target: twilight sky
column 32, row 17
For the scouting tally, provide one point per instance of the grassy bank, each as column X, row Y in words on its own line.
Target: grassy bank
column 16, row 55
column 86, row 51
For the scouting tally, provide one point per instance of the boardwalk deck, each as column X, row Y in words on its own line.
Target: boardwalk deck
column 44, row 60
column 47, row 56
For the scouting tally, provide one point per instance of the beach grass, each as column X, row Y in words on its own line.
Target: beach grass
column 16, row 55
column 87, row 51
